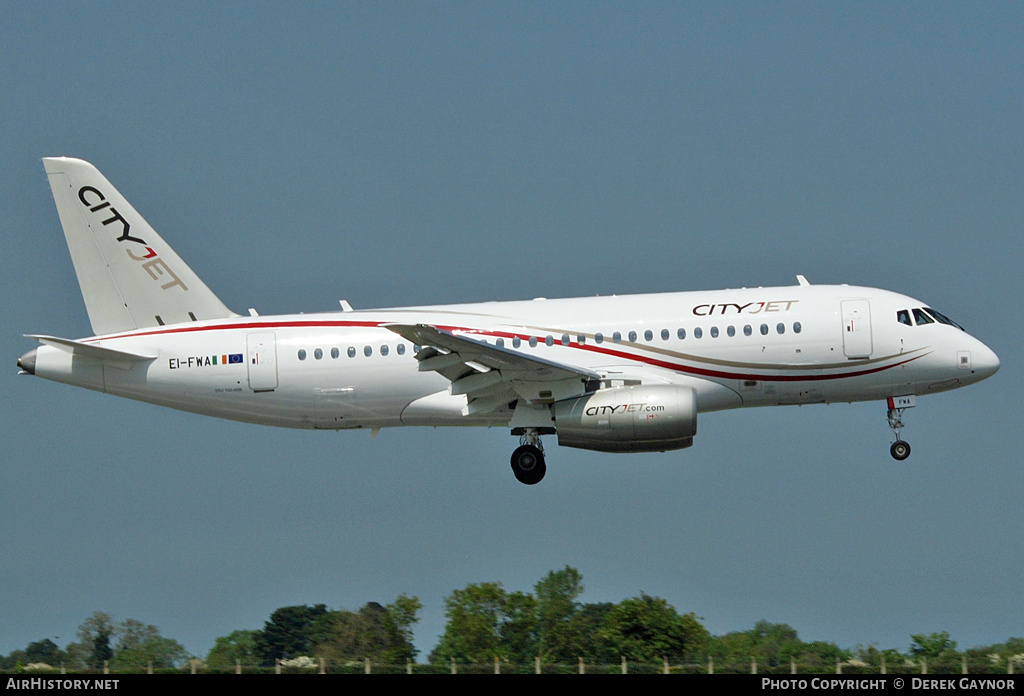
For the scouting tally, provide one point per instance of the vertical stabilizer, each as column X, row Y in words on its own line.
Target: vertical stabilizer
column 130, row 277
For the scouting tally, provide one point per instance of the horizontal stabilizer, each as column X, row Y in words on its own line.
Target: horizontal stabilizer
column 107, row 356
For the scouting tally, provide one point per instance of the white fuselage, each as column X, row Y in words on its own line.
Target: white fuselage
column 746, row 347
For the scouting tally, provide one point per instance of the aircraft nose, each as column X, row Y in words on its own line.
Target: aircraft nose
column 27, row 362
column 986, row 362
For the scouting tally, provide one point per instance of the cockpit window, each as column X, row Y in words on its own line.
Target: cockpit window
column 942, row 319
column 921, row 318
column 903, row 317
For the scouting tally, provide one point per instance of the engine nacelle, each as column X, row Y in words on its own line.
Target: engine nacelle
column 629, row 419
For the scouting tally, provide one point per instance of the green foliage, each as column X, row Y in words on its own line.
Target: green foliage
column 237, row 646
column 93, row 647
column 291, row 632
column 932, row 645
column 380, row 634
column 773, row 645
column 485, row 622
column 997, row 658
column 126, row 646
column 518, row 630
column 585, row 629
column 44, row 651
column 402, row 614
column 472, row 634
column 140, row 646
column 649, row 629
column 556, row 605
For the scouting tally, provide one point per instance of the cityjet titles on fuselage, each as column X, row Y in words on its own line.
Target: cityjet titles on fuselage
column 723, row 308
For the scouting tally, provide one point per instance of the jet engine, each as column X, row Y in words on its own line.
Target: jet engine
column 641, row 418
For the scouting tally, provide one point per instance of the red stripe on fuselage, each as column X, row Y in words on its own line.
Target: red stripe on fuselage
column 654, row 362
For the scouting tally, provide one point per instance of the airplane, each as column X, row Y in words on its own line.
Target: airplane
column 612, row 374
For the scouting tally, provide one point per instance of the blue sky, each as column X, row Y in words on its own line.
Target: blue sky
column 413, row 153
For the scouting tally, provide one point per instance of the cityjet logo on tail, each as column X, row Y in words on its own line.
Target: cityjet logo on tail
column 93, row 199
column 707, row 310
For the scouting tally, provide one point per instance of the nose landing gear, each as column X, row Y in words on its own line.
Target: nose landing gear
column 900, row 449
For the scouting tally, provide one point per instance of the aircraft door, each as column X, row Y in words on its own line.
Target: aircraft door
column 856, row 329
column 261, row 353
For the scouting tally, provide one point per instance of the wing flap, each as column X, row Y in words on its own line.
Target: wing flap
column 491, row 375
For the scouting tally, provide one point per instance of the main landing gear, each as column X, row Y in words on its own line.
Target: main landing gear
column 900, row 449
column 528, row 459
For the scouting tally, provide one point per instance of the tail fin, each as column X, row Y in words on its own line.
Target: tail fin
column 130, row 277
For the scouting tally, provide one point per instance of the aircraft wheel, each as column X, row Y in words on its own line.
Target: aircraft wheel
column 900, row 450
column 528, row 464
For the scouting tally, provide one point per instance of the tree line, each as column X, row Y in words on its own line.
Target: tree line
column 486, row 623
column 126, row 646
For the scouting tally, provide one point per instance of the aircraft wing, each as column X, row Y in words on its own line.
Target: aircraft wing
column 491, row 376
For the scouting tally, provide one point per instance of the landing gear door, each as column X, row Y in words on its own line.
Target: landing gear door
column 261, row 354
column 856, row 329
